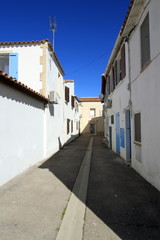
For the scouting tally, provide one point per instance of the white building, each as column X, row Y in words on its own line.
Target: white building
column 71, row 111
column 131, row 85
column 35, row 66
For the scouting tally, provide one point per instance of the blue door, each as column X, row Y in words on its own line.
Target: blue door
column 110, row 137
column 117, row 133
column 128, row 136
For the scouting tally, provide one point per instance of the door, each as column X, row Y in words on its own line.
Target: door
column 117, row 133
column 110, row 137
column 92, row 129
column 128, row 135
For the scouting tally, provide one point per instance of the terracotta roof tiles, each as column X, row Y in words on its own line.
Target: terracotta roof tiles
column 89, row 99
column 34, row 43
column 8, row 80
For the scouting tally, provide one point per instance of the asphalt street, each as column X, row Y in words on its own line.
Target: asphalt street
column 85, row 191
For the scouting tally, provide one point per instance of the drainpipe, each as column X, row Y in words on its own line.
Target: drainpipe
column 129, row 77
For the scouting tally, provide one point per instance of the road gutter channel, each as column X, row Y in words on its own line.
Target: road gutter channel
column 73, row 221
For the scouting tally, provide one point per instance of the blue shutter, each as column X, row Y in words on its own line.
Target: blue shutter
column 122, row 137
column 13, row 65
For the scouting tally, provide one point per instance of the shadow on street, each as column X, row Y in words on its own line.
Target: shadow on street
column 117, row 194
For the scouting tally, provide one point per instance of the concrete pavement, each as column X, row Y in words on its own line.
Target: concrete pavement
column 120, row 203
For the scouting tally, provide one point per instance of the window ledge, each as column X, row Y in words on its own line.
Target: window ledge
column 137, row 143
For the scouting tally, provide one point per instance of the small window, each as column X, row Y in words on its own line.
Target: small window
column 92, row 112
column 112, row 119
column 72, row 101
column 4, row 63
column 66, row 94
column 137, row 126
column 9, row 64
column 72, row 126
column 123, row 62
column 145, row 42
column 68, row 128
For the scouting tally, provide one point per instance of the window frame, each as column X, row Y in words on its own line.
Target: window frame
column 137, row 127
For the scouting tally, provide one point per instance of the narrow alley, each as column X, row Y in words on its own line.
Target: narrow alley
column 84, row 191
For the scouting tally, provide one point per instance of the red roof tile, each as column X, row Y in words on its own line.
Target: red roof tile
column 12, row 82
column 89, row 99
column 34, row 43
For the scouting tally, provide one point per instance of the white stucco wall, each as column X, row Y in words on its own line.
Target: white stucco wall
column 54, row 113
column 146, row 98
column 70, row 113
column 29, row 67
column 21, row 132
column 120, row 103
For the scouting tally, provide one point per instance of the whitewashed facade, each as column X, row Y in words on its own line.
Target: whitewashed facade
column 71, row 111
column 35, row 65
column 131, row 114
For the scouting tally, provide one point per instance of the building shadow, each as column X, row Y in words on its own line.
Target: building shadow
column 117, row 194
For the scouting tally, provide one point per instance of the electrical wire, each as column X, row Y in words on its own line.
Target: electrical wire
column 87, row 65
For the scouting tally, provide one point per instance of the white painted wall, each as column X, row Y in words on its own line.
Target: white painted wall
column 146, row 98
column 29, row 67
column 21, row 132
column 70, row 113
column 120, row 103
column 54, row 113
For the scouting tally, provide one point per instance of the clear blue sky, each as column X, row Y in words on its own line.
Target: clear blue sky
column 85, row 36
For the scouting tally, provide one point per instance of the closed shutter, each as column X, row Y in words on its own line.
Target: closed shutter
column 145, row 42
column 72, row 101
column 109, row 85
column 123, row 63
column 66, row 94
column 115, row 72
column 13, row 65
column 68, row 130
column 113, row 78
column 103, row 85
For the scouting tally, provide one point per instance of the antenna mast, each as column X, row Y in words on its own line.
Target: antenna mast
column 53, row 28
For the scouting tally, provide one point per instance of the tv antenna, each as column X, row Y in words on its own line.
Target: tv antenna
column 53, row 28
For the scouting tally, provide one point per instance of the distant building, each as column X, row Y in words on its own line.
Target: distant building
column 130, row 91
column 91, row 119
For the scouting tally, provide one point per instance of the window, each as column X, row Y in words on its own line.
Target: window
column 137, row 127
column 115, row 72
column 66, row 94
column 112, row 119
column 108, row 85
column 68, row 129
column 72, row 101
column 72, row 126
column 4, row 63
column 113, row 77
column 92, row 112
column 123, row 62
column 145, row 42
column 77, row 125
column 118, row 69
column 9, row 64
column 103, row 90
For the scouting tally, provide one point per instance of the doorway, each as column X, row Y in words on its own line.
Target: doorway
column 92, row 129
column 117, row 134
column 128, row 135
